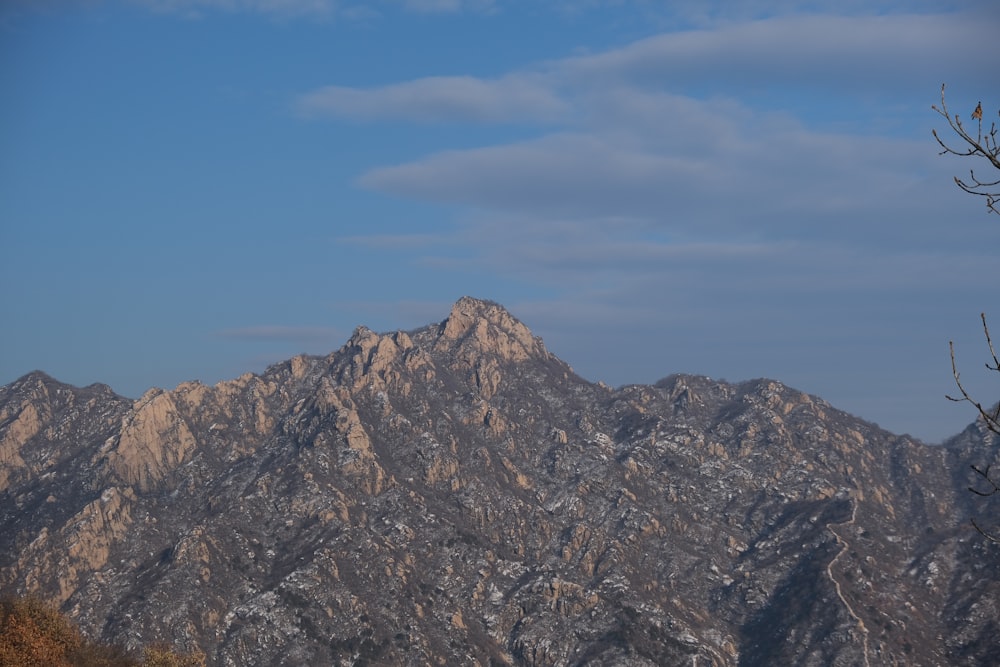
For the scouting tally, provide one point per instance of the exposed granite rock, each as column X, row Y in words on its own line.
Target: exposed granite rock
column 457, row 495
column 154, row 440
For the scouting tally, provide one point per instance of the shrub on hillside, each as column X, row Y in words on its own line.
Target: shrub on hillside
column 34, row 634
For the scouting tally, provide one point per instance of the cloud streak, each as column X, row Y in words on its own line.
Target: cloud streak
column 779, row 184
column 848, row 52
column 312, row 8
column 619, row 142
column 195, row 8
column 448, row 6
column 440, row 99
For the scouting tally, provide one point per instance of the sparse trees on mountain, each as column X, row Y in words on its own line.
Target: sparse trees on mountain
column 982, row 146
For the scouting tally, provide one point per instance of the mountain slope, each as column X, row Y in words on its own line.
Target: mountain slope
column 457, row 495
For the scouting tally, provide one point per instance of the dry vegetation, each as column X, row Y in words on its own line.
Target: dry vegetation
column 33, row 634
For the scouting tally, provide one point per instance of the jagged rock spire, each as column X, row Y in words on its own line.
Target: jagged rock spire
column 487, row 327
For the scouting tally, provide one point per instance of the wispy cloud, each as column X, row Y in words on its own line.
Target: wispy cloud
column 443, row 6
column 195, row 8
column 440, row 99
column 313, row 8
column 697, row 184
column 828, row 51
column 850, row 55
column 623, row 138
column 685, row 14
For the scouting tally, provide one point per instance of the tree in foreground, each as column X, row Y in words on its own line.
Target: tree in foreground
column 981, row 146
column 34, row 634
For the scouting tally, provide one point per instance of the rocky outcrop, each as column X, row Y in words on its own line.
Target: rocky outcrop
column 457, row 495
column 24, row 422
column 154, row 440
column 81, row 547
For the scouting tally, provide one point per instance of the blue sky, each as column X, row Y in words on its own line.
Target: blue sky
column 193, row 189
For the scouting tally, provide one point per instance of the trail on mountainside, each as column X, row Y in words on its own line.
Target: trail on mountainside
column 844, row 546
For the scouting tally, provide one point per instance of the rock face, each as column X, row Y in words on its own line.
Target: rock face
column 456, row 495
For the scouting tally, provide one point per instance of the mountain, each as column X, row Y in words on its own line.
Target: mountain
column 457, row 495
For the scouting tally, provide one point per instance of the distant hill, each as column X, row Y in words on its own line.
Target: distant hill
column 457, row 495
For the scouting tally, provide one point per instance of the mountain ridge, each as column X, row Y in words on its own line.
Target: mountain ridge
column 456, row 494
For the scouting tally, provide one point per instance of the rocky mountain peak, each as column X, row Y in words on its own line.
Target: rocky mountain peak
column 486, row 327
column 456, row 495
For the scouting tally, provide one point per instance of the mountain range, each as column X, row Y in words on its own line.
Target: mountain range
column 457, row 495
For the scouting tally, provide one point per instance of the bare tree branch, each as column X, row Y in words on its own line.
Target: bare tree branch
column 982, row 145
column 991, row 538
column 991, row 418
column 985, row 474
column 993, row 489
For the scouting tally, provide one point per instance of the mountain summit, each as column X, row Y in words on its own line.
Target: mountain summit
column 487, row 327
column 456, row 495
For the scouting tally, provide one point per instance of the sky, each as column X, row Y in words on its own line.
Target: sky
column 195, row 189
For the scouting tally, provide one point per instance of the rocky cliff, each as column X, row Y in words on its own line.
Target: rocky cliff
column 456, row 495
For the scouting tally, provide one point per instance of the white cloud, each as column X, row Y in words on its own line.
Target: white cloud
column 194, row 8
column 577, row 256
column 623, row 143
column 313, row 8
column 696, row 177
column 717, row 13
column 444, row 6
column 441, row 99
column 842, row 51
column 832, row 54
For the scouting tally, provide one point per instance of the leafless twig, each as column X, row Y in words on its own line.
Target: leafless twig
column 991, row 417
column 982, row 145
column 993, row 489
